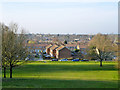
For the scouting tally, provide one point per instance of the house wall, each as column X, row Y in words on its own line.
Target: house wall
column 48, row 51
column 54, row 53
column 35, row 49
column 78, row 47
column 51, row 52
column 57, row 54
column 64, row 53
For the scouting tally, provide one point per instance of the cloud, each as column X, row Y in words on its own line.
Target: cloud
column 84, row 1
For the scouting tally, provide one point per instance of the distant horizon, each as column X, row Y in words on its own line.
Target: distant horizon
column 71, row 33
column 27, row 32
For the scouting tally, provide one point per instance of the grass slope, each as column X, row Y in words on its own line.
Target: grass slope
column 63, row 75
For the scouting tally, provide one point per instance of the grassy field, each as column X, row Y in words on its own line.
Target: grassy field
column 69, row 74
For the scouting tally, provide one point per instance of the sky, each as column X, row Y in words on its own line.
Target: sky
column 62, row 16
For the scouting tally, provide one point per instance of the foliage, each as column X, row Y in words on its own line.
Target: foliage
column 77, row 50
column 31, row 42
column 65, row 42
column 44, row 52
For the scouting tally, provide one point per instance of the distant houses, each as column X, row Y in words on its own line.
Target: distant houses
column 72, row 47
column 36, row 48
column 82, row 48
column 56, row 50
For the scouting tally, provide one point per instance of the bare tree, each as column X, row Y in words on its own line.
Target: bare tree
column 13, row 47
column 4, row 30
column 102, row 47
column 0, row 47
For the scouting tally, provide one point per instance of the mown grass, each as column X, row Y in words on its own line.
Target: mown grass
column 37, row 74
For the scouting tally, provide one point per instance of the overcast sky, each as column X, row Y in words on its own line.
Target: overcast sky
column 62, row 16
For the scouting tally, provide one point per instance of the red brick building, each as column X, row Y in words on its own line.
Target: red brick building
column 48, row 49
column 63, row 52
column 53, row 50
column 58, row 51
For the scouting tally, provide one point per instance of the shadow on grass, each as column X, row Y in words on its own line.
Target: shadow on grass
column 56, row 68
column 50, row 83
column 55, row 83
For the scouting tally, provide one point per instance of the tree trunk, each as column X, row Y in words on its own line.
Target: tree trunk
column 10, row 71
column 101, row 63
column 4, row 72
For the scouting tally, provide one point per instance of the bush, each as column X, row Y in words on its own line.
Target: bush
column 77, row 50
column 44, row 52
column 52, row 57
column 70, row 58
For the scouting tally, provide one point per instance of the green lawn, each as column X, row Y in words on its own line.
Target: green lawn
column 63, row 75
